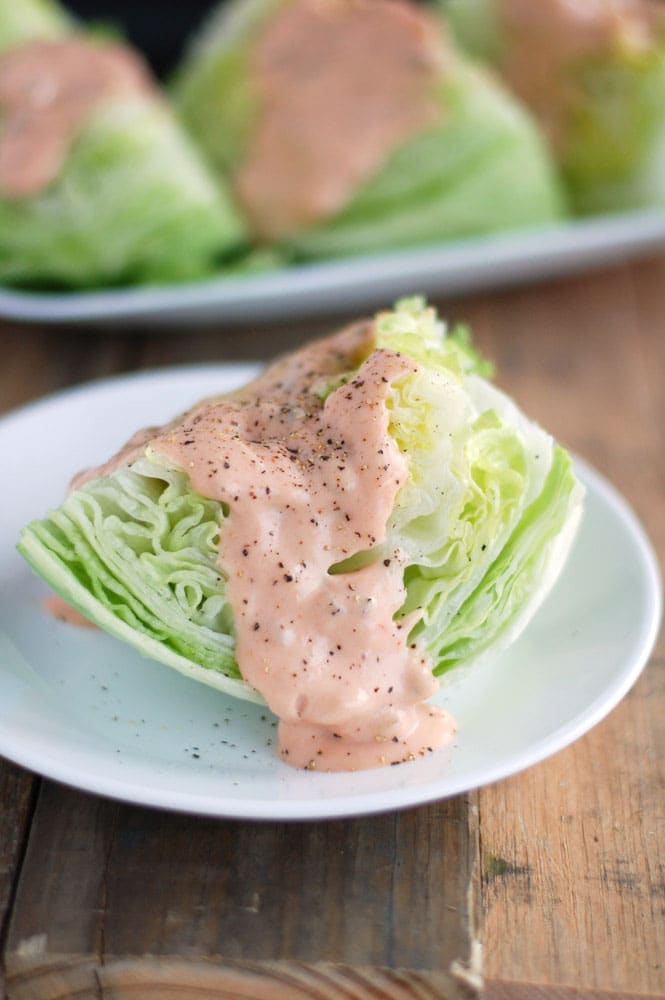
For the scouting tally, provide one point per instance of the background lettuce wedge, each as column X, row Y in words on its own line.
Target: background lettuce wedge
column 486, row 518
column 609, row 100
column 132, row 202
column 481, row 169
column 25, row 20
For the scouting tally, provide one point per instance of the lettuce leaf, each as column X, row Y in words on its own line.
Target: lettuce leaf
column 484, row 520
column 24, row 20
column 132, row 203
column 611, row 101
column 615, row 154
column 136, row 553
column 487, row 488
column 483, row 168
column 518, row 580
column 213, row 88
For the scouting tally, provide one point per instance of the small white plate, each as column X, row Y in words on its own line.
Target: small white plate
column 347, row 285
column 80, row 707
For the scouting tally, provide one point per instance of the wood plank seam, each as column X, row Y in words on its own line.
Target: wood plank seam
column 201, row 979
column 22, row 838
column 507, row 990
column 101, row 945
column 469, row 973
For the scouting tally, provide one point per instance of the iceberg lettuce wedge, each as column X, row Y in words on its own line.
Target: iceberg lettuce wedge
column 484, row 522
column 479, row 167
column 483, row 170
column 132, row 204
column 24, row 20
column 126, row 197
column 597, row 87
column 136, row 554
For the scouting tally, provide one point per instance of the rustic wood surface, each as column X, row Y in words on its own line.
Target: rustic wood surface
column 101, row 899
column 273, row 907
column 574, row 850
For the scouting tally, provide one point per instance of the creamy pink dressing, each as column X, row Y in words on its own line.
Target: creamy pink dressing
column 545, row 39
column 307, row 485
column 59, row 608
column 340, row 84
column 48, row 89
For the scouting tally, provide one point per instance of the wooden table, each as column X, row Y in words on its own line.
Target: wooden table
column 559, row 870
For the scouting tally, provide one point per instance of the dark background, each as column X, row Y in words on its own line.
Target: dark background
column 159, row 30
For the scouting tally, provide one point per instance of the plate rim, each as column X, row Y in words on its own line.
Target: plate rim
column 360, row 804
column 316, row 288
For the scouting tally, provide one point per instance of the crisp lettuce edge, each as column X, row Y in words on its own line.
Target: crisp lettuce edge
column 47, row 566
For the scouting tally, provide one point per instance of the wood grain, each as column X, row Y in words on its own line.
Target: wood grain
column 77, row 927
column 573, row 850
column 538, row 991
column 36, row 362
column 573, row 878
column 121, row 902
column 17, row 788
column 383, row 906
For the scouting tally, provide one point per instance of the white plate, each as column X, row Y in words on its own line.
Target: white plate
column 358, row 283
column 80, row 707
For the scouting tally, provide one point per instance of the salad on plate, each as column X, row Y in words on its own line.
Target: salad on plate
column 367, row 517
